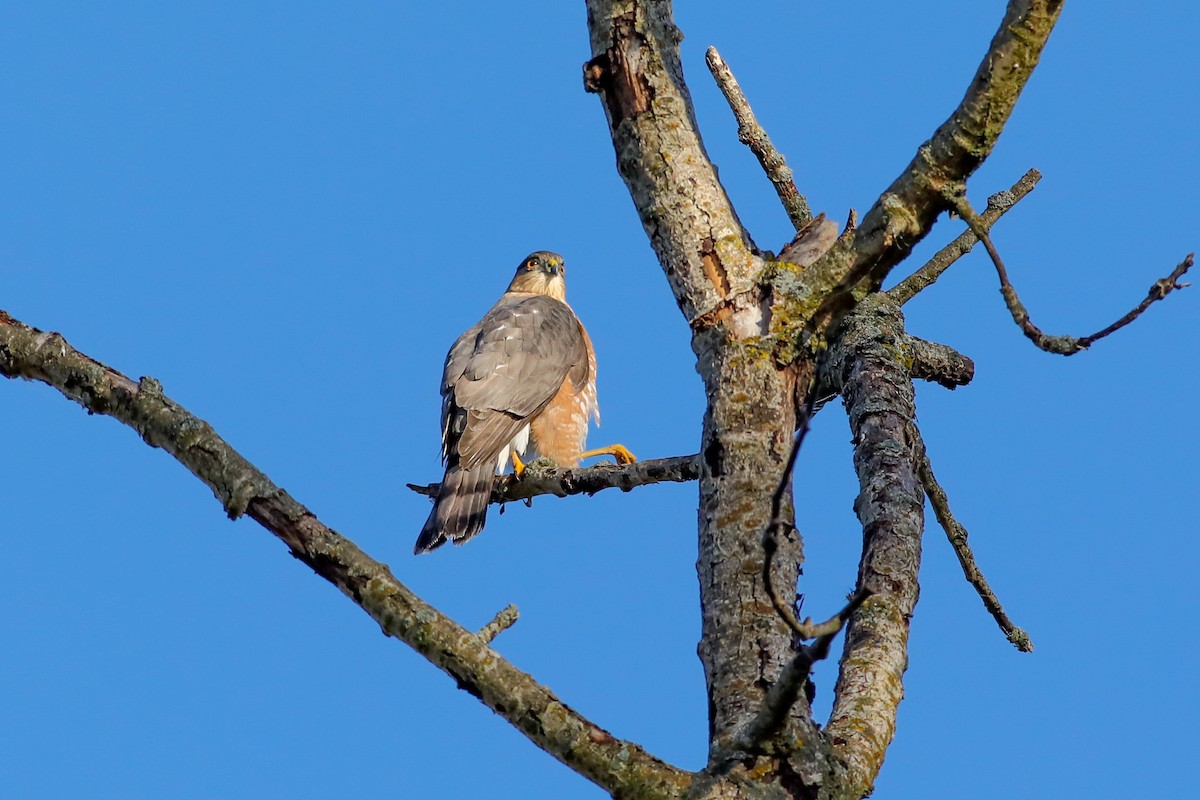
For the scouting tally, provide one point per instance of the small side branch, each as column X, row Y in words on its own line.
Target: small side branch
column 998, row 205
column 939, row 363
column 505, row 619
column 957, row 535
column 1062, row 345
column 540, row 480
column 752, row 134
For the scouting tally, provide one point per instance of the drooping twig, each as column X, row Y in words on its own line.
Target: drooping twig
column 504, row 619
column 1062, row 345
column 998, row 205
column 539, row 480
column 786, row 689
column 620, row 767
column 752, row 134
column 957, row 535
column 777, row 525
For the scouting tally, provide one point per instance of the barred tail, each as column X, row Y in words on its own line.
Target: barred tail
column 460, row 509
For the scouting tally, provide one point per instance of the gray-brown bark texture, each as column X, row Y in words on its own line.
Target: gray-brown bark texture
column 759, row 328
column 770, row 335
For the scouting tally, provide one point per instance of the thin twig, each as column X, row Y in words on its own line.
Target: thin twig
column 540, row 479
column 957, row 535
column 503, row 620
column 777, row 524
column 1062, row 345
column 998, row 205
column 786, row 689
column 752, row 134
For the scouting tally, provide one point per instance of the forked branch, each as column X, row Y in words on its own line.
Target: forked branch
column 786, row 690
column 998, row 205
column 907, row 210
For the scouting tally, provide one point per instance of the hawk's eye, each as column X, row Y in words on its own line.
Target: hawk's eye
column 530, row 264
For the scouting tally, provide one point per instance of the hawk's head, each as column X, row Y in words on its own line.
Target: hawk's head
column 541, row 273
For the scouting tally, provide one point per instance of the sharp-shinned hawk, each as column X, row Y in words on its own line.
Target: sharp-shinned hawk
column 524, row 374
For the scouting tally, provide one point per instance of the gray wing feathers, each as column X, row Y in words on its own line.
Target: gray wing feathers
column 504, row 370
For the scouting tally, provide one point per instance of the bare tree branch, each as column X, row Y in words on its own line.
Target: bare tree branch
column 1062, row 345
column 907, row 210
column 620, row 767
column 542, row 479
column 752, row 134
column 998, row 205
column 957, row 535
column 878, row 394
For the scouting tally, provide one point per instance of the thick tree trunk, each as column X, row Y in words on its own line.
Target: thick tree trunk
column 748, row 432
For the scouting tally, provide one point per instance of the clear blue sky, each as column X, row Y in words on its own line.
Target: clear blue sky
column 286, row 212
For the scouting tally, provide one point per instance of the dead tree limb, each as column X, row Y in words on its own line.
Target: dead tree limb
column 752, row 134
column 906, row 210
column 618, row 766
column 540, row 479
column 957, row 534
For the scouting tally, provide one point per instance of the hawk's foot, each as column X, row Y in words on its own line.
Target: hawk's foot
column 617, row 451
column 518, row 465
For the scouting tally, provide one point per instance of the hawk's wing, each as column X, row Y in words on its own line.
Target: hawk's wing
column 503, row 371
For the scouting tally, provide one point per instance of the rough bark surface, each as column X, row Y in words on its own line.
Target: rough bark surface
column 871, row 361
column 750, row 416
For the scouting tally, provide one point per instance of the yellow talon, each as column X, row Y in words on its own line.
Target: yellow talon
column 518, row 465
column 617, row 451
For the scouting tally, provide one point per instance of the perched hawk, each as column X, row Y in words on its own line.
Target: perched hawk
column 526, row 373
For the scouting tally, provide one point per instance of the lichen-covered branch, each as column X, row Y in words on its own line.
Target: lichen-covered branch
column 540, row 480
column 1061, row 345
column 504, row 619
column 752, row 134
column 998, row 205
column 620, row 767
column 878, row 392
column 905, row 213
